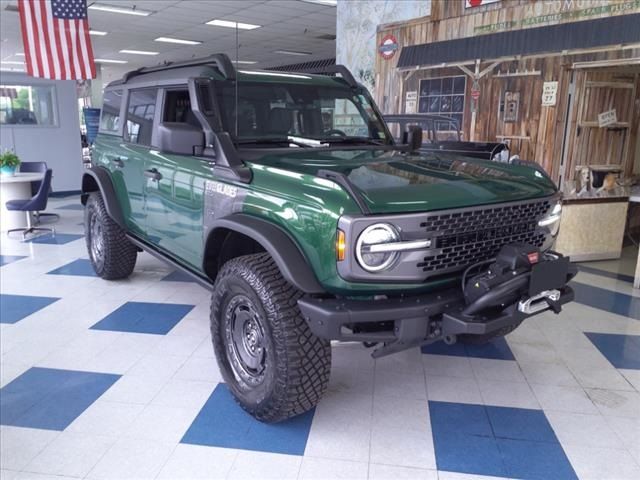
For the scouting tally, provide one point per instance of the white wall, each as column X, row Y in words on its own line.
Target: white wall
column 356, row 26
column 59, row 145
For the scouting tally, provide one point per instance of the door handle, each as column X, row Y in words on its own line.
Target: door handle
column 117, row 162
column 153, row 174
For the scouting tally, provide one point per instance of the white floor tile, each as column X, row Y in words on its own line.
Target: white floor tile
column 193, row 462
column 263, row 466
column 184, row 394
column 616, row 403
column 397, row 384
column 394, row 472
column 564, row 399
column 407, row 448
column 203, row 369
column 592, row 463
column 19, row 446
column 453, row 389
column 156, row 365
column 133, row 458
column 163, row 424
column 507, row 394
column 72, row 454
column 399, row 412
column 134, row 389
column 447, row 366
column 322, row 469
column 106, row 418
column 502, row 370
column 549, row 374
column 582, row 429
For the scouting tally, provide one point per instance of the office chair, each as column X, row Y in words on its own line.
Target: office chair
column 37, row 167
column 34, row 204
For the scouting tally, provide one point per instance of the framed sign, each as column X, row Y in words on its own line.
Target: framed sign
column 607, row 118
column 549, row 94
column 511, row 106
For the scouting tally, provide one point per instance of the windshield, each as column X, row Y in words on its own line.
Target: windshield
column 270, row 112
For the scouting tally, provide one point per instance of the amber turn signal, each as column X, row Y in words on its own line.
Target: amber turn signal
column 341, row 246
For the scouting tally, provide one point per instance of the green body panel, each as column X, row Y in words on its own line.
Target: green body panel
column 169, row 213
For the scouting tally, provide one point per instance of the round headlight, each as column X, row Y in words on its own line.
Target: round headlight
column 368, row 258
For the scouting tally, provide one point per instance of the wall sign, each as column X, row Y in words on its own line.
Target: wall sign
column 607, row 118
column 92, row 121
column 549, row 94
column 388, row 47
column 511, row 106
column 478, row 3
column 411, row 101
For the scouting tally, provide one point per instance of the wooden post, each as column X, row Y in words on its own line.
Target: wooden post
column 474, row 113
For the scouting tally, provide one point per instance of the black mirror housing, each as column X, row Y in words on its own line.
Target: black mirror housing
column 414, row 137
column 180, row 138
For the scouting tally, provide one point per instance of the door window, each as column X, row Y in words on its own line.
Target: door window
column 140, row 113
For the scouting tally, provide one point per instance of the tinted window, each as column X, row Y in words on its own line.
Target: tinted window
column 110, row 116
column 177, row 108
column 140, row 113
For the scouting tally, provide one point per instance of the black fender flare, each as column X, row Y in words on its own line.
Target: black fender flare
column 285, row 252
column 99, row 179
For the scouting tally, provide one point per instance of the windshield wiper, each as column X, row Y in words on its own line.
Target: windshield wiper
column 368, row 141
column 298, row 141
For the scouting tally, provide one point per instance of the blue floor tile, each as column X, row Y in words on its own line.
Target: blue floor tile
column 608, row 300
column 468, row 454
column 178, row 276
column 498, row 349
column 497, row 441
column 14, row 308
column 535, row 460
column 72, row 206
column 622, row 351
column 520, row 424
column 81, row 267
column 55, row 239
column 7, row 259
column 222, row 423
column 49, row 398
column 604, row 273
column 143, row 317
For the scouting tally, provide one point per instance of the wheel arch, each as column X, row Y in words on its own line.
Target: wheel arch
column 97, row 179
column 225, row 235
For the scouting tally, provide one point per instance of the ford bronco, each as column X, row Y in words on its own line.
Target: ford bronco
column 287, row 197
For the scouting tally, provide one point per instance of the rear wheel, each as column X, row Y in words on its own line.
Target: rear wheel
column 273, row 364
column 111, row 254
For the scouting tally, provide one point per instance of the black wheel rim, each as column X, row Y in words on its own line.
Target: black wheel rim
column 245, row 340
column 96, row 241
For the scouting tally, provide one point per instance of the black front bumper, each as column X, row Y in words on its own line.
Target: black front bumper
column 409, row 321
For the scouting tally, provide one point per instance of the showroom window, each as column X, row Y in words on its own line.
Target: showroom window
column 27, row 105
column 110, row 116
column 443, row 96
column 142, row 108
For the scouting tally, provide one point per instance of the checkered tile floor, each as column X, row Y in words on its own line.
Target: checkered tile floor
column 118, row 380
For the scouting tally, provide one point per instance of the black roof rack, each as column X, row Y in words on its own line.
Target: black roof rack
column 329, row 69
column 220, row 60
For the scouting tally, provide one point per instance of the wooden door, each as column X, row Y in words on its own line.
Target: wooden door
column 588, row 143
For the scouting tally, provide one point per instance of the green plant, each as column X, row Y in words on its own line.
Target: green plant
column 9, row 159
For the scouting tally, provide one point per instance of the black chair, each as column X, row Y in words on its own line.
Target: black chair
column 35, row 204
column 37, row 167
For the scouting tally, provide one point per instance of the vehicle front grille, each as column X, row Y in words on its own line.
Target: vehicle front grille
column 462, row 238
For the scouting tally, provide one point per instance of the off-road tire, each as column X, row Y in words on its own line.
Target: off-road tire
column 296, row 363
column 487, row 337
column 118, row 254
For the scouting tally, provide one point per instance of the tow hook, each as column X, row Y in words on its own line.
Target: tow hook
column 540, row 302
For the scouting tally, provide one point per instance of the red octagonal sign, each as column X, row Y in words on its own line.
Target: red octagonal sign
column 388, row 47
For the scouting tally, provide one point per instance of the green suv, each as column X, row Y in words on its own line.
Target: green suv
column 286, row 196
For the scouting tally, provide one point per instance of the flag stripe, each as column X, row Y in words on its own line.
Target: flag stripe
column 56, row 39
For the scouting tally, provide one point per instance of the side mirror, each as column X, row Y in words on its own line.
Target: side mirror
column 180, row 138
column 414, row 138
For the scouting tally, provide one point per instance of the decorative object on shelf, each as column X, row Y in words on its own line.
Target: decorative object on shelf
column 9, row 162
column 592, row 181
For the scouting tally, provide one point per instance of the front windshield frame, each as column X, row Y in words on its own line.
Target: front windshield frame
column 371, row 118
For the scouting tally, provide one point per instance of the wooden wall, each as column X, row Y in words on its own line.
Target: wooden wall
column 542, row 128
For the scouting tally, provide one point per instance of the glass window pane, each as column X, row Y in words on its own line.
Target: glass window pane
column 458, row 85
column 445, row 104
column 457, row 103
column 27, row 105
column 142, row 106
column 447, row 86
column 458, row 117
column 435, row 86
column 424, row 88
column 423, row 106
column 433, row 104
column 110, row 115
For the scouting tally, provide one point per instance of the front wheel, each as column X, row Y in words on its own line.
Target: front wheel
column 273, row 364
column 111, row 254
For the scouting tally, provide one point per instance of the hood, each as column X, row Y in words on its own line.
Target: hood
column 393, row 182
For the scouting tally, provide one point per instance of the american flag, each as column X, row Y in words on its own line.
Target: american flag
column 56, row 39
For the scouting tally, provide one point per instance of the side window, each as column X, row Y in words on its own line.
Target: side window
column 110, row 115
column 177, row 108
column 140, row 113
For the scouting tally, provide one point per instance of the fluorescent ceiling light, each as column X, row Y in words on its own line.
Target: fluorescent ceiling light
column 11, row 62
column 291, row 52
column 108, row 60
column 230, row 24
column 114, row 9
column 139, row 52
column 329, row 3
column 244, row 62
column 99, row 33
column 177, row 40
column 274, row 74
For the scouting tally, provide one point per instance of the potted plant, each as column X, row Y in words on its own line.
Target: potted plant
column 9, row 161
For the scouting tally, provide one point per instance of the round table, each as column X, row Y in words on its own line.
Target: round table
column 15, row 187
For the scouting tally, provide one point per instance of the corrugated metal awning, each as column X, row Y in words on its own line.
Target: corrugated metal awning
column 621, row 29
